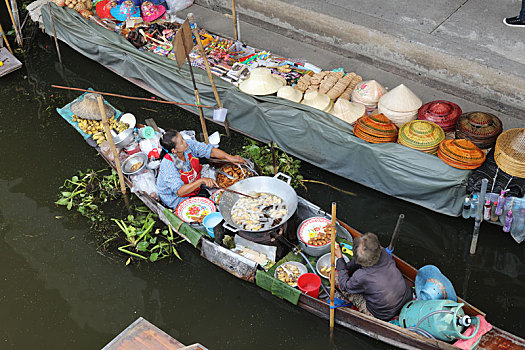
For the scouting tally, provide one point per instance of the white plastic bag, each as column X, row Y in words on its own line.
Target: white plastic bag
column 178, row 5
column 145, row 182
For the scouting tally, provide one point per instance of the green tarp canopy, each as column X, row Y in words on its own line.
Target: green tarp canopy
column 309, row 134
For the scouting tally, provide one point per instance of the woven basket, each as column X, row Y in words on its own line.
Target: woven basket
column 509, row 152
column 88, row 108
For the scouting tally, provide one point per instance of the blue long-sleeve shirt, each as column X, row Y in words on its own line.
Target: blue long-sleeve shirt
column 169, row 181
column 382, row 285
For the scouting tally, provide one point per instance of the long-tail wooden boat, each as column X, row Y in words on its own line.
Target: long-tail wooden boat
column 386, row 332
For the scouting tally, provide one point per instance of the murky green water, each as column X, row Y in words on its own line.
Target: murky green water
column 58, row 292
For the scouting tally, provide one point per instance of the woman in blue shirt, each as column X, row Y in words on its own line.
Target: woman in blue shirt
column 180, row 169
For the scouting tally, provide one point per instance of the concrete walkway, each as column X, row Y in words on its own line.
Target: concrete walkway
column 457, row 47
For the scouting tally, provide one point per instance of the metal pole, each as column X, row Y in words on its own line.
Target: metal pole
column 18, row 35
column 479, row 216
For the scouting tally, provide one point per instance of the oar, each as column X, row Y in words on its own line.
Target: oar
column 332, row 268
column 390, row 247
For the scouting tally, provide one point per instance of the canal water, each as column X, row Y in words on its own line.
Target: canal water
column 58, row 292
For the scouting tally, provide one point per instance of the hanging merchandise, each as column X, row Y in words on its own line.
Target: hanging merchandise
column 376, row 128
column 421, row 135
column 443, row 113
column 400, row 105
column 480, row 128
column 461, row 154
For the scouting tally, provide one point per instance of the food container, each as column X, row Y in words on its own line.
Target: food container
column 129, row 166
column 325, row 260
column 309, row 283
column 310, row 228
column 124, row 139
column 301, row 267
column 210, row 221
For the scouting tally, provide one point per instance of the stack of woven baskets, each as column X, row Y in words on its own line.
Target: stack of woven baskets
column 481, row 128
column 461, row 154
column 421, row 135
column 376, row 129
column 509, row 152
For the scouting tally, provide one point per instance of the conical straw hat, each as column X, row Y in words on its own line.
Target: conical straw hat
column 348, row 111
column 376, row 128
column 479, row 127
column 443, row 113
column 317, row 100
column 509, row 152
column 261, row 82
column 87, row 108
column 461, row 154
column 421, row 135
column 368, row 92
column 289, row 93
column 400, row 99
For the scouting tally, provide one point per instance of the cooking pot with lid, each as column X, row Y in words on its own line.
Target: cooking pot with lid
column 259, row 184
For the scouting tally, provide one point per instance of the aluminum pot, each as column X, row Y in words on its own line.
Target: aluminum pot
column 265, row 184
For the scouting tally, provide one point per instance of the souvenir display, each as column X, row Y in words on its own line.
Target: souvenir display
column 461, row 154
column 289, row 93
column 421, row 135
column 333, row 84
column 368, row 94
column 443, row 113
column 376, row 128
column 400, row 105
column 261, row 82
column 124, row 11
column 480, row 128
column 509, row 152
column 348, row 111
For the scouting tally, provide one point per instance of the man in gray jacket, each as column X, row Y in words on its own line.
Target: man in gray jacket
column 371, row 281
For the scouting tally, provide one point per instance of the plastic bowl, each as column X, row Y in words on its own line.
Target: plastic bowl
column 210, row 221
column 132, row 160
column 325, row 260
column 301, row 267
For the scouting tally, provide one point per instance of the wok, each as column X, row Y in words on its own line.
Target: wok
column 266, row 184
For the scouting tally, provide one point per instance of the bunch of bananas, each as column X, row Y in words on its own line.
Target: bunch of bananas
column 96, row 128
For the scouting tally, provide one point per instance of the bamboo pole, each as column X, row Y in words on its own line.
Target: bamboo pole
column 207, row 65
column 234, row 16
column 273, row 158
column 129, row 97
column 332, row 267
column 196, row 91
column 109, row 137
column 5, row 39
column 54, row 32
column 18, row 37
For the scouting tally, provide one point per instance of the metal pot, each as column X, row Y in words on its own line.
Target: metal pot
column 124, row 139
column 265, row 184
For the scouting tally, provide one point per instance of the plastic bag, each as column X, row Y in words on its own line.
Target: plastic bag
column 178, row 5
column 145, row 182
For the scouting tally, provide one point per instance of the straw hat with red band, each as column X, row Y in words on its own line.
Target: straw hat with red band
column 103, row 8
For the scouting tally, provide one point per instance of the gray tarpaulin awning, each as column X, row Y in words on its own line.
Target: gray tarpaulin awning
column 309, row 134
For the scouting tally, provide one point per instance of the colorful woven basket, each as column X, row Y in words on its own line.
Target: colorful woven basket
column 461, row 154
column 443, row 113
column 376, row 128
column 481, row 128
column 509, row 152
column 421, row 135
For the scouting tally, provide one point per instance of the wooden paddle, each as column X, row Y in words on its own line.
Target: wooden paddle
column 332, row 267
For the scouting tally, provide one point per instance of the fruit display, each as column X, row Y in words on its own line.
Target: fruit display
column 96, row 128
column 81, row 6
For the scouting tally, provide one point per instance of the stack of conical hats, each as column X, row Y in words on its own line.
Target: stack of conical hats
column 461, row 154
column 421, row 135
column 376, row 129
column 509, row 152
column 480, row 128
column 400, row 105
column 348, row 111
column 443, row 113
column 368, row 94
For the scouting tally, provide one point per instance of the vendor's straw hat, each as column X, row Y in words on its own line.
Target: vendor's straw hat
column 421, row 135
column 87, row 108
column 479, row 127
column 443, row 113
column 509, row 152
column 461, row 154
column 317, row 100
column 348, row 111
column 289, row 93
column 261, row 82
column 400, row 105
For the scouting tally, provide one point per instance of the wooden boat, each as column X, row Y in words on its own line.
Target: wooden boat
column 389, row 333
